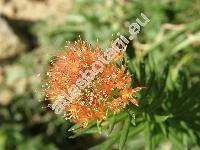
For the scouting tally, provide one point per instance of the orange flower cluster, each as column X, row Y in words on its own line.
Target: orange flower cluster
column 109, row 91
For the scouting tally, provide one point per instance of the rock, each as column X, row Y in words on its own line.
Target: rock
column 16, row 78
column 10, row 44
column 5, row 97
column 34, row 9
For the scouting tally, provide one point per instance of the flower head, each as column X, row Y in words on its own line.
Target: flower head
column 108, row 90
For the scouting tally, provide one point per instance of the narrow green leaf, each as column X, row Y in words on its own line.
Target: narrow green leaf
column 78, row 127
column 112, row 139
column 99, row 126
column 135, row 130
column 124, row 132
column 74, row 127
column 111, row 124
column 160, row 119
column 86, row 131
column 163, row 129
column 175, row 141
column 133, row 121
column 148, row 136
column 107, row 143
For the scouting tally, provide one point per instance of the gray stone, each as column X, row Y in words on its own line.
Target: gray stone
column 10, row 44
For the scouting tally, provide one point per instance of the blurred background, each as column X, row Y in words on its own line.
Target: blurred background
column 32, row 31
